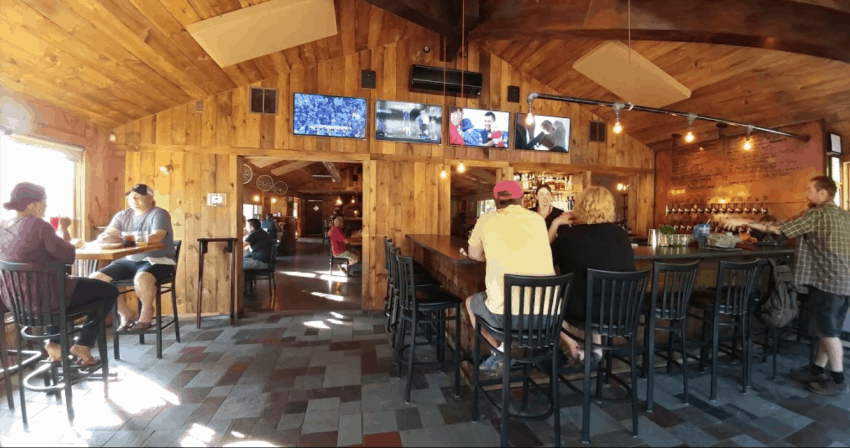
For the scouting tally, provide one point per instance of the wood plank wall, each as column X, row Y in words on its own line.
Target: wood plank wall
column 402, row 191
column 103, row 164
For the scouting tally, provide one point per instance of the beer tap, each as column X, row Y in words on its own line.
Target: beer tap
column 763, row 209
column 714, row 209
column 746, row 208
column 667, row 209
column 737, row 208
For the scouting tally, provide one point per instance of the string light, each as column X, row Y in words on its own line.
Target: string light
column 748, row 145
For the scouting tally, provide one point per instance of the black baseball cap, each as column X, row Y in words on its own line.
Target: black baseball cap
column 142, row 189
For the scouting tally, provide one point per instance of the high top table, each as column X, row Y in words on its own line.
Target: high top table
column 202, row 250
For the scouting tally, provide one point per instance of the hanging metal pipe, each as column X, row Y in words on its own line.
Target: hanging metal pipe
column 629, row 106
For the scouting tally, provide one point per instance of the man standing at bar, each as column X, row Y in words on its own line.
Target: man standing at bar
column 142, row 216
column 823, row 265
column 512, row 240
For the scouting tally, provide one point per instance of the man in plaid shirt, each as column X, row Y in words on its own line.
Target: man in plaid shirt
column 823, row 266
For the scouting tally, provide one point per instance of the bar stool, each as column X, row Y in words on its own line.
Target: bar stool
column 673, row 284
column 33, row 356
column 422, row 280
column 619, row 296
column 30, row 288
column 162, row 286
column 732, row 298
column 252, row 275
column 536, row 335
column 428, row 307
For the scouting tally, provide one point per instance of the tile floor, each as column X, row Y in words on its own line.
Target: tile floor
column 303, row 283
column 326, row 379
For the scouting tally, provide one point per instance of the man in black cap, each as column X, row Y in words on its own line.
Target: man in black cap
column 145, row 217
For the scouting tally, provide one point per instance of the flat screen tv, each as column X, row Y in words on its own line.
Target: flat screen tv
column 329, row 116
column 408, row 122
column 477, row 127
column 544, row 134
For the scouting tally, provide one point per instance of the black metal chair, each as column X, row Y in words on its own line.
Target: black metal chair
column 421, row 280
column 733, row 298
column 542, row 305
column 30, row 288
column 33, row 356
column 326, row 228
column 618, row 297
column 252, row 275
column 162, row 286
column 424, row 307
column 337, row 261
column 672, row 289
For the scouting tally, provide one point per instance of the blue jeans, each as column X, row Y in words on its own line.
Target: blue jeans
column 250, row 263
column 87, row 292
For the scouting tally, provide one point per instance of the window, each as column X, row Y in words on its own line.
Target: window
column 295, row 209
column 250, row 211
column 486, row 206
column 45, row 163
column 835, row 174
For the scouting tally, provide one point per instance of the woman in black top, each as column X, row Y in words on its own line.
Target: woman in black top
column 593, row 243
column 545, row 208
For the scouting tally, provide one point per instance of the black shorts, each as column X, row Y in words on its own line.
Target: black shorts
column 830, row 311
column 127, row 270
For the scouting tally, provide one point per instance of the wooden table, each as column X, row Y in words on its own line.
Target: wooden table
column 202, row 250
column 355, row 241
column 95, row 253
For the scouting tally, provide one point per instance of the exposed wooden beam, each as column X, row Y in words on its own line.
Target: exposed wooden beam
column 784, row 25
column 332, row 169
column 290, row 167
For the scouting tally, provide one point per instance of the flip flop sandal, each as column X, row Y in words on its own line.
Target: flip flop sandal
column 90, row 366
column 142, row 326
column 126, row 326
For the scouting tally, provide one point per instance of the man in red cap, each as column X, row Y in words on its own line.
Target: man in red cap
column 512, row 240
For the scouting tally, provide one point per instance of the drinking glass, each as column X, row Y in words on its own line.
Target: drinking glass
column 128, row 238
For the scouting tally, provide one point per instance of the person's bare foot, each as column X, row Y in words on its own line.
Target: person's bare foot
column 82, row 352
column 146, row 315
column 54, row 351
column 127, row 322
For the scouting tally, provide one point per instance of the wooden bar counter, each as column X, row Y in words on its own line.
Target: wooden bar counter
column 463, row 276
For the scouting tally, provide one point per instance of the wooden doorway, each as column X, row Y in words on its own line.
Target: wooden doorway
column 314, row 218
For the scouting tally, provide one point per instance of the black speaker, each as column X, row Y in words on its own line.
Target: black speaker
column 513, row 94
column 367, row 79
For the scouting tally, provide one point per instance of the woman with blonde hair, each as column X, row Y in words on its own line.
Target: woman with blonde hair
column 594, row 242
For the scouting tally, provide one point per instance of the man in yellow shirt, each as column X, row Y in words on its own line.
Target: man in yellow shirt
column 512, row 240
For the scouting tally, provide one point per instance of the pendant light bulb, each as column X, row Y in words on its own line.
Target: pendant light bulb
column 461, row 168
column 748, row 144
column 443, row 174
column 529, row 119
column 618, row 128
column 689, row 137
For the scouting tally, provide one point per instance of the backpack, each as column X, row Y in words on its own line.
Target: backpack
column 780, row 307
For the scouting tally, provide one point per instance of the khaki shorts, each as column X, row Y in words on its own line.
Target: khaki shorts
column 349, row 255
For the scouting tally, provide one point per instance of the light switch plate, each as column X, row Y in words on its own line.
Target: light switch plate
column 216, row 199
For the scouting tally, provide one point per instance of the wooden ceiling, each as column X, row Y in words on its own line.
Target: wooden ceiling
column 296, row 173
column 115, row 61
column 473, row 181
column 768, row 88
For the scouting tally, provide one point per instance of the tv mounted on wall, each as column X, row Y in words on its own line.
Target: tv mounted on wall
column 408, row 122
column 544, row 134
column 478, row 127
column 329, row 116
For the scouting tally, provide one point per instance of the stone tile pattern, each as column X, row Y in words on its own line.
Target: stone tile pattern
column 328, row 379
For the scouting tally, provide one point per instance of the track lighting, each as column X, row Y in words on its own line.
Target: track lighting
column 443, row 174
column 460, row 167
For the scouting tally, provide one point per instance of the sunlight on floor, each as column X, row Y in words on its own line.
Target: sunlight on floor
column 338, row 322
column 135, row 393
column 298, row 274
column 333, row 278
column 334, row 297
column 337, row 315
column 250, row 443
column 317, row 324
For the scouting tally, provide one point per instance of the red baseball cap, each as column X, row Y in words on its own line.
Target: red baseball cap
column 510, row 186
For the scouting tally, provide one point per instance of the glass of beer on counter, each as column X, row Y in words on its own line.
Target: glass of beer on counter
column 141, row 239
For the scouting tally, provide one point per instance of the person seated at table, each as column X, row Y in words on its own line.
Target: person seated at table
column 27, row 238
column 594, row 242
column 142, row 216
column 339, row 243
column 512, row 240
column 270, row 226
column 258, row 247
